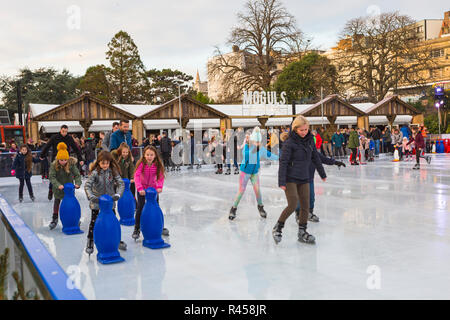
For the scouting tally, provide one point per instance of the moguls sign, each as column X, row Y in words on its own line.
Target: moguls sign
column 264, row 103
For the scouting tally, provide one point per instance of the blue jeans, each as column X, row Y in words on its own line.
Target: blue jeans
column 312, row 197
column 377, row 147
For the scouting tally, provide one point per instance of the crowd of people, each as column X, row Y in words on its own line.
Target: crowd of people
column 107, row 160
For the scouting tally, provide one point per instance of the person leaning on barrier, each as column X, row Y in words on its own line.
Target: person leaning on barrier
column 107, row 136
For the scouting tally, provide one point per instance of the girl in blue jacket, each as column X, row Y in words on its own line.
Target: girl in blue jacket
column 252, row 153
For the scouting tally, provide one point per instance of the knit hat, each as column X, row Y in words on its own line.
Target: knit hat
column 256, row 135
column 62, row 152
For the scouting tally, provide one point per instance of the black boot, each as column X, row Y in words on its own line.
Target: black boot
column 232, row 214
column 312, row 217
column 50, row 194
column 276, row 231
column 262, row 213
column 89, row 246
column 32, row 198
column 304, row 236
column 136, row 234
column 20, row 198
column 54, row 221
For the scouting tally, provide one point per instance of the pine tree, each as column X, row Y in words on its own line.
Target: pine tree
column 127, row 73
column 95, row 81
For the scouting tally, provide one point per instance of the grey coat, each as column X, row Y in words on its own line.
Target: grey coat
column 106, row 140
column 397, row 138
column 100, row 183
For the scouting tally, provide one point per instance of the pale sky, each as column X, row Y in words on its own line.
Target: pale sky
column 169, row 34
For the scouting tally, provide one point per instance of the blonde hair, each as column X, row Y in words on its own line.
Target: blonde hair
column 298, row 122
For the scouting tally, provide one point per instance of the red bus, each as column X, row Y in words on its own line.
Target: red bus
column 13, row 132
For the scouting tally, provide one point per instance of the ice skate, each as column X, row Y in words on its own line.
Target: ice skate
column 428, row 158
column 20, row 198
column 32, row 198
column 312, row 217
column 262, row 212
column 90, row 247
column 136, row 234
column 232, row 214
column 276, row 231
column 165, row 232
column 122, row 246
column 236, row 171
column 54, row 222
column 228, row 172
column 304, row 236
column 416, row 167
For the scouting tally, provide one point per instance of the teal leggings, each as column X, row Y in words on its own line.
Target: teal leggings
column 243, row 180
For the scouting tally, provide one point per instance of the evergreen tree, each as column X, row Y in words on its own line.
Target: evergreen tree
column 164, row 84
column 95, row 81
column 127, row 73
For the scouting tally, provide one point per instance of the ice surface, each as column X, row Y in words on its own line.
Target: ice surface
column 383, row 214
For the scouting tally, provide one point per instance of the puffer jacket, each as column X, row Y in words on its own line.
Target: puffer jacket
column 353, row 140
column 61, row 177
column 100, row 183
column 296, row 158
column 397, row 138
column 145, row 177
column 21, row 168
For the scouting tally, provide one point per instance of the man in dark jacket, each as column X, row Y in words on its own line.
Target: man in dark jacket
column 62, row 136
column 377, row 138
column 166, row 149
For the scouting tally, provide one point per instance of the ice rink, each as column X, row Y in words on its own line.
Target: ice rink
column 384, row 233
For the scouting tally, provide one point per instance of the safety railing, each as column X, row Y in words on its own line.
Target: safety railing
column 27, row 270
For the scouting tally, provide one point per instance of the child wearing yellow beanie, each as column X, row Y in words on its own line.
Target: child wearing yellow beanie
column 63, row 170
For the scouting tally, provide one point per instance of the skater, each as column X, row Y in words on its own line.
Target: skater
column 419, row 142
column 63, row 170
column 372, row 150
column 253, row 151
column 338, row 141
column 353, row 143
column 22, row 168
column 52, row 144
column 325, row 160
column 104, row 179
column 166, row 150
column 149, row 173
column 397, row 138
column 123, row 158
column 298, row 155
column 406, row 149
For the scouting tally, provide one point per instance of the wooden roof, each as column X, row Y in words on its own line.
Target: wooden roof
column 84, row 108
column 190, row 109
column 333, row 105
column 392, row 105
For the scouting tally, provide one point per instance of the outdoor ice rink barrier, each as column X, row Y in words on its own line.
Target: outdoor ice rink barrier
column 38, row 275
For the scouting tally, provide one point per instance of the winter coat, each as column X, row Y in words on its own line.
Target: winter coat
column 53, row 143
column 118, row 137
column 318, row 141
column 61, row 177
column 363, row 143
column 371, row 145
column 406, row 132
column 251, row 156
column 376, row 134
column 326, row 136
column 397, row 138
column 296, row 158
column 387, row 136
column 145, row 177
column 89, row 150
column 100, row 183
column 106, row 140
column 166, row 145
column 353, row 140
column 418, row 141
column 338, row 140
column 126, row 166
column 324, row 160
column 21, row 168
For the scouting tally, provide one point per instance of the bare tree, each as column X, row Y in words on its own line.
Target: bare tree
column 379, row 53
column 265, row 37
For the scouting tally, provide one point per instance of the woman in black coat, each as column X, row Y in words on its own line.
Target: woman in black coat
column 298, row 154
